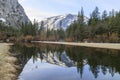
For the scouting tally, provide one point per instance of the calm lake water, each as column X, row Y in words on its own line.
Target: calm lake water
column 58, row 62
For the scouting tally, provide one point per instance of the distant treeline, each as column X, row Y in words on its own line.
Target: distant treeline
column 103, row 27
column 99, row 27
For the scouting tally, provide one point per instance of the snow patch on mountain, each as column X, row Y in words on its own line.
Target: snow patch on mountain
column 56, row 22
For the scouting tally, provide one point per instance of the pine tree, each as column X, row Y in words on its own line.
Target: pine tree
column 104, row 15
column 41, row 30
column 94, row 17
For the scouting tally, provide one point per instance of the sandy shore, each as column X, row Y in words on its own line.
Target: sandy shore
column 8, row 69
column 96, row 45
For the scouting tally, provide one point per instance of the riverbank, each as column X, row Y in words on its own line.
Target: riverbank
column 95, row 45
column 8, row 66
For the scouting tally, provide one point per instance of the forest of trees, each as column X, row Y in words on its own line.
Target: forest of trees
column 100, row 27
column 103, row 27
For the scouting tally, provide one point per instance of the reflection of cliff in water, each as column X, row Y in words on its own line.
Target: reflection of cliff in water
column 103, row 60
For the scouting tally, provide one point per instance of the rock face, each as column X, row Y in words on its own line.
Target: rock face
column 58, row 59
column 12, row 13
column 59, row 21
column 63, row 21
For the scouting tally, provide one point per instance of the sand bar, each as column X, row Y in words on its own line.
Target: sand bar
column 96, row 45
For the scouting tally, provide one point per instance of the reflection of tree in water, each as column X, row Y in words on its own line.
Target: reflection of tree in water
column 97, row 59
column 25, row 53
column 103, row 60
column 77, row 55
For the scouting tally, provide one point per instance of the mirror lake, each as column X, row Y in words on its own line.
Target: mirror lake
column 60, row 62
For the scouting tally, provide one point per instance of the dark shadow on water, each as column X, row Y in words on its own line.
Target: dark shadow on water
column 101, row 62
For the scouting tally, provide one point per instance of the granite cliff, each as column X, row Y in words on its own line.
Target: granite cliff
column 12, row 13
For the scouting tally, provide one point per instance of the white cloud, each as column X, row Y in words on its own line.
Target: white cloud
column 37, row 14
column 20, row 1
column 72, row 3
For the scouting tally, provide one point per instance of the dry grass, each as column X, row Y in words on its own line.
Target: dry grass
column 8, row 69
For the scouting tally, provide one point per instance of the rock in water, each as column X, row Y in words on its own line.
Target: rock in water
column 12, row 13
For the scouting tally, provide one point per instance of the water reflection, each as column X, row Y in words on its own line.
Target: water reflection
column 76, row 63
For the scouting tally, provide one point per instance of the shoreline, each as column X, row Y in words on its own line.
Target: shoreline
column 93, row 45
column 8, row 67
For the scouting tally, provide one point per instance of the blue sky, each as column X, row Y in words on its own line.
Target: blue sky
column 40, row 9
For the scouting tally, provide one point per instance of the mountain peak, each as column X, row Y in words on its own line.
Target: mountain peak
column 56, row 22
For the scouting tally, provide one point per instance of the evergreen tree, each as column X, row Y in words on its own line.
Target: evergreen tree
column 94, row 17
column 104, row 15
column 41, row 29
